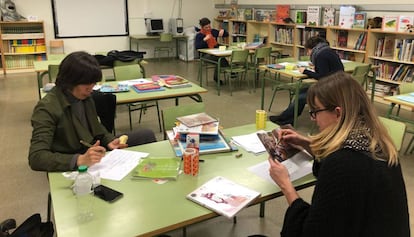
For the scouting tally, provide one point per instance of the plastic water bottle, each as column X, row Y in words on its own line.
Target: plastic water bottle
column 83, row 192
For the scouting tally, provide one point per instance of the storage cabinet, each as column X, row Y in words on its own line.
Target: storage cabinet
column 22, row 43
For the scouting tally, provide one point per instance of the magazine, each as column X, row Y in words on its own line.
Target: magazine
column 208, row 128
column 276, row 149
column 223, row 196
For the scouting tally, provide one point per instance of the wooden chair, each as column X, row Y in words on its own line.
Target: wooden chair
column 237, row 68
column 134, row 71
column 165, row 40
column 170, row 114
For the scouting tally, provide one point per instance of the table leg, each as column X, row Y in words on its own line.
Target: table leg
column 218, row 75
column 295, row 114
column 263, row 93
column 200, row 71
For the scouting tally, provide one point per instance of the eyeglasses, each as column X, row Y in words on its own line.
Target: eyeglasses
column 313, row 113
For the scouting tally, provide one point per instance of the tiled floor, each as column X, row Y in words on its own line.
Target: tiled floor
column 24, row 192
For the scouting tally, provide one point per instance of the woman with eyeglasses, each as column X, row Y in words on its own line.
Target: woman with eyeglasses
column 360, row 189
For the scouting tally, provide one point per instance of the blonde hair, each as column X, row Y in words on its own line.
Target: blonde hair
column 341, row 90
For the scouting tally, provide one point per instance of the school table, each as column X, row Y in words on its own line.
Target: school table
column 136, row 39
column 299, row 80
column 150, row 209
column 406, row 100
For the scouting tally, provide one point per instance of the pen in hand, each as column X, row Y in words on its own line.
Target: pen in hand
column 87, row 144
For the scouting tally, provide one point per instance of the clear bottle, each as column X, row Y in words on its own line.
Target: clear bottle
column 83, row 192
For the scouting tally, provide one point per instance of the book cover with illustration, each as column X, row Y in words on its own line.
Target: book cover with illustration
column 342, row 38
column 389, row 23
column 196, row 119
column 157, row 168
column 346, row 16
column 360, row 20
column 282, row 12
column 328, row 16
column 174, row 82
column 208, row 129
column 403, row 22
column 277, row 149
column 313, row 16
column 223, row 196
column 300, row 17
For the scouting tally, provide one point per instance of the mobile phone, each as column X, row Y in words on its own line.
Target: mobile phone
column 106, row 193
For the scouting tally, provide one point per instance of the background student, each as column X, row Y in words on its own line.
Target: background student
column 207, row 38
column 67, row 115
column 360, row 189
column 325, row 61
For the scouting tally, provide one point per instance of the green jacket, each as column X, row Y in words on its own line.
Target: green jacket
column 57, row 132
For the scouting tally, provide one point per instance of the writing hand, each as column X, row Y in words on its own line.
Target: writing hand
column 93, row 155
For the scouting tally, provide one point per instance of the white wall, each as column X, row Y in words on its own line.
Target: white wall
column 192, row 10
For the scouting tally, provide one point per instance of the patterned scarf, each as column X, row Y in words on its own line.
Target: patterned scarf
column 210, row 42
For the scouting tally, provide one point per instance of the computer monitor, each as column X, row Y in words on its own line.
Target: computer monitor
column 155, row 26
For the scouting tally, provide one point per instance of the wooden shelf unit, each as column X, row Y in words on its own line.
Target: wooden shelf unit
column 21, row 42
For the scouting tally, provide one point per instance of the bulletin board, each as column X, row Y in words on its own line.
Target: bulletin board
column 90, row 18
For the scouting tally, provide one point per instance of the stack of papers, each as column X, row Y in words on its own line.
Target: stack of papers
column 250, row 142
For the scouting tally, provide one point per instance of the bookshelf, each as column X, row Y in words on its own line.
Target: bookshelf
column 257, row 31
column 22, row 43
column 283, row 35
column 304, row 32
column 238, row 31
column 348, row 43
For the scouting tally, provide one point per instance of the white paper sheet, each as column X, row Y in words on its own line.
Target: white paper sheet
column 117, row 164
column 298, row 166
column 250, row 142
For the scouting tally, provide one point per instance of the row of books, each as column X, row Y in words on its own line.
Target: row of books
column 396, row 23
column 23, row 61
column 284, row 35
column 21, row 29
column 306, row 33
column 395, row 48
column 382, row 89
column 239, row 28
column 395, row 72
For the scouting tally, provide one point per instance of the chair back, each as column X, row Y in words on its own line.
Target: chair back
column 128, row 72
column 105, row 104
column 239, row 57
column 405, row 88
column 170, row 114
column 396, row 130
column 360, row 74
column 166, row 37
column 304, row 58
column 52, row 71
column 262, row 54
column 122, row 63
column 286, row 60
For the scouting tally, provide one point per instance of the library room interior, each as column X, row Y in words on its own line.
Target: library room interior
column 154, row 70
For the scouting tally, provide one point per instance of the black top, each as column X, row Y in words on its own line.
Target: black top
column 326, row 62
column 355, row 195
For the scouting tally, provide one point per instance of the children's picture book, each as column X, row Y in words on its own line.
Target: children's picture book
column 223, row 196
column 388, row 46
column 276, row 148
column 156, row 78
column 208, row 143
column 328, row 16
column 389, row 23
column 174, row 82
column 403, row 22
column 360, row 20
column 114, row 89
column 313, row 16
column 147, row 86
column 346, row 16
column 248, row 14
column 207, row 128
column 300, row 17
column 342, row 38
column 196, row 119
column 282, row 12
column 157, row 168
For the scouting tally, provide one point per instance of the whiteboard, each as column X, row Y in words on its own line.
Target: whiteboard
column 90, row 18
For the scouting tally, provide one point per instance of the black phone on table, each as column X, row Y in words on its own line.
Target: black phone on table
column 106, row 193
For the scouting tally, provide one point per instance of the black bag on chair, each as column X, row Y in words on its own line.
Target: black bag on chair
column 31, row 227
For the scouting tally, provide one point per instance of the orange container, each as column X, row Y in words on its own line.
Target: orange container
column 190, row 158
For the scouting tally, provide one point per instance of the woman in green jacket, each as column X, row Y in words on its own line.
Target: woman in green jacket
column 67, row 115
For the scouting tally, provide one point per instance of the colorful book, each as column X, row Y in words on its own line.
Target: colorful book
column 208, row 129
column 300, row 17
column 360, row 20
column 282, row 12
column 388, row 46
column 248, row 14
column 176, row 82
column 196, row 119
column 403, row 22
column 114, row 89
column 346, row 16
column 342, row 38
column 147, row 86
column 156, row 78
column 212, row 144
column 328, row 16
column 157, row 168
column 223, row 196
column 313, row 16
column 389, row 23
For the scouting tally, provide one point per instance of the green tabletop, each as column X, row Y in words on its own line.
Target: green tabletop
column 147, row 208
